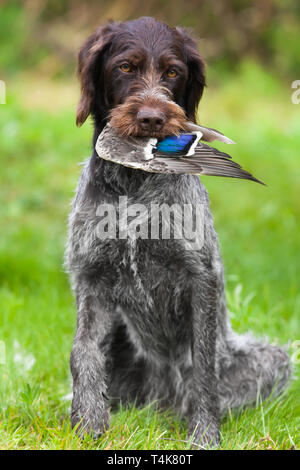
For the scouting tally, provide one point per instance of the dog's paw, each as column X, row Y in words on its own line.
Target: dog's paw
column 204, row 437
column 90, row 423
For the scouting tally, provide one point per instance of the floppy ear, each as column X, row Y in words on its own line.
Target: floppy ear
column 196, row 77
column 90, row 65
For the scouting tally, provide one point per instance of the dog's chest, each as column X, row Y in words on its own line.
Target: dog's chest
column 155, row 240
column 146, row 263
column 152, row 296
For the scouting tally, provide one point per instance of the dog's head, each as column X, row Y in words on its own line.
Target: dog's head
column 143, row 75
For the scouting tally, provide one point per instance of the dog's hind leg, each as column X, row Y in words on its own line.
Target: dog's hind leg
column 248, row 369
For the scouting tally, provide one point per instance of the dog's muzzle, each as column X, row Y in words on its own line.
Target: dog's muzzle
column 149, row 113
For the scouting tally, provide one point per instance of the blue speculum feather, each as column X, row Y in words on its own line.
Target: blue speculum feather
column 176, row 145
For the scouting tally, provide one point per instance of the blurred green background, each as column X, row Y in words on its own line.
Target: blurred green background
column 252, row 53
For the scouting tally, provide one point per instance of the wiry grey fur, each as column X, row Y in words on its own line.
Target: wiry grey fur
column 152, row 318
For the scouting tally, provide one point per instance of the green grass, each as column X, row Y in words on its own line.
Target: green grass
column 259, row 234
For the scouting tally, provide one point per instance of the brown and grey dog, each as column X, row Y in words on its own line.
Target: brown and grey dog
column 152, row 319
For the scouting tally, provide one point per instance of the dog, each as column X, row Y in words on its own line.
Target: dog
column 152, row 320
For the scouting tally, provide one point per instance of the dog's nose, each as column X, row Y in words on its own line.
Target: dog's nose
column 151, row 119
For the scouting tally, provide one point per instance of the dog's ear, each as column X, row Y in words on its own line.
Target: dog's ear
column 196, row 76
column 91, row 59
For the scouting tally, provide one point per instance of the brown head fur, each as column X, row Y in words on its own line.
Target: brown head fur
column 142, row 64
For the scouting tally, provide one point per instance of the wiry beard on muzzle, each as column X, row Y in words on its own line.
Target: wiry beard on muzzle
column 146, row 94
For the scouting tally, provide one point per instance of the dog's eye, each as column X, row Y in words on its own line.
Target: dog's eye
column 126, row 68
column 172, row 73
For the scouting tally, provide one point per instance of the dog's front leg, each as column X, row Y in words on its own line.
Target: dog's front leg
column 204, row 422
column 89, row 361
